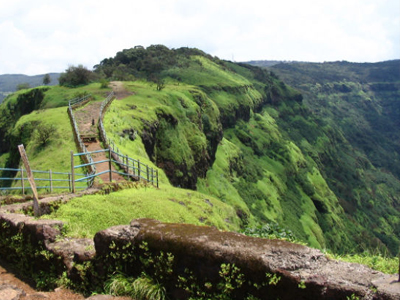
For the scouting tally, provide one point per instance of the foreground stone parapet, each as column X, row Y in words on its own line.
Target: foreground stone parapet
column 304, row 273
column 189, row 260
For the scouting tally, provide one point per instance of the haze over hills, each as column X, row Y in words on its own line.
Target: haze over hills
column 316, row 152
column 9, row 82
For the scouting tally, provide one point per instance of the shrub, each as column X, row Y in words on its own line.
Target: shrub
column 44, row 133
column 22, row 86
column 104, row 83
column 75, row 76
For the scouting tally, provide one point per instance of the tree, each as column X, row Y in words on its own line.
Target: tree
column 23, row 86
column 46, row 79
column 75, row 76
column 44, row 133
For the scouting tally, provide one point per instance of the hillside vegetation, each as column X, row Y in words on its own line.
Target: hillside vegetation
column 253, row 146
column 10, row 82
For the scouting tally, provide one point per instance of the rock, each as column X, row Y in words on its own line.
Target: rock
column 43, row 230
column 73, row 251
column 8, row 292
column 203, row 250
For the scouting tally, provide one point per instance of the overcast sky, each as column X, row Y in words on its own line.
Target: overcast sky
column 41, row 36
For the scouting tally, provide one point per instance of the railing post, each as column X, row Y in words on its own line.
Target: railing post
column 138, row 164
column 109, row 164
column 157, row 177
column 72, row 173
column 24, row 157
column 69, row 182
column 51, row 181
column 22, row 181
column 147, row 170
column 127, row 165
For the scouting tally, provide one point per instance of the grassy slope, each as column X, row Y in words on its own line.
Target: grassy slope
column 268, row 198
column 359, row 109
column 167, row 204
column 120, row 207
column 267, row 167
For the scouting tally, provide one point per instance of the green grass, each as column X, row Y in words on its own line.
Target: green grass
column 176, row 114
column 3, row 159
column 388, row 265
column 89, row 214
column 56, row 96
column 141, row 288
column 56, row 154
column 204, row 72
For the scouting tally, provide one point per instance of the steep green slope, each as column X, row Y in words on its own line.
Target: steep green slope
column 359, row 156
column 309, row 162
column 25, row 112
column 9, row 82
column 238, row 133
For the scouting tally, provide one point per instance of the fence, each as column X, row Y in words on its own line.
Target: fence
column 130, row 168
column 87, row 158
column 54, row 180
column 123, row 161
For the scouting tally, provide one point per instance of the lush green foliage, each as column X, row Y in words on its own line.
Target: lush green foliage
column 277, row 161
column 270, row 231
column 389, row 265
column 89, row 214
column 46, row 79
column 23, row 86
column 141, row 288
column 356, row 113
column 309, row 163
column 29, row 257
column 75, row 76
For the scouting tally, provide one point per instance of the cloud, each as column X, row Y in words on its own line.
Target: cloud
column 45, row 36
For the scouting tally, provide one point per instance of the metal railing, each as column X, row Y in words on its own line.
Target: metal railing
column 87, row 158
column 54, row 180
column 130, row 168
column 123, row 161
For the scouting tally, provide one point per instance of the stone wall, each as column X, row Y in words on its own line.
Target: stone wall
column 190, row 261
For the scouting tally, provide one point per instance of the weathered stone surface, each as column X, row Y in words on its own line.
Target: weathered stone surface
column 73, row 251
column 119, row 234
column 204, row 249
column 17, row 221
column 8, row 292
column 43, row 230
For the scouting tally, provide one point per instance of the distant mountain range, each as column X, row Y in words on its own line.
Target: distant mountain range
column 9, row 82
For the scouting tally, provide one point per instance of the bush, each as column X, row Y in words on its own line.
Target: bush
column 44, row 133
column 104, row 83
column 270, row 230
column 23, row 86
column 75, row 76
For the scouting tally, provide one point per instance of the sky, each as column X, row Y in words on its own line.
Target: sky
column 43, row 36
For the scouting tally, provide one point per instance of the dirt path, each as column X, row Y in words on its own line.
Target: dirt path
column 119, row 90
column 12, row 288
column 87, row 118
column 101, row 167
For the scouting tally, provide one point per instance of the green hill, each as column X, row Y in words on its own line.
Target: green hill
column 9, row 82
column 244, row 138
